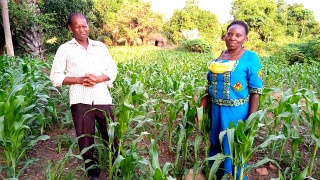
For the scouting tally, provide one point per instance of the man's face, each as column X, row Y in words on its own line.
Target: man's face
column 79, row 28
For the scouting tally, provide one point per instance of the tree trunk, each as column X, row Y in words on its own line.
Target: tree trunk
column 6, row 26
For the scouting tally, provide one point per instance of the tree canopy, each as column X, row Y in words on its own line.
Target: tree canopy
column 192, row 17
column 272, row 20
column 131, row 20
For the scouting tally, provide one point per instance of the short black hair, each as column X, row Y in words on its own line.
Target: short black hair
column 241, row 23
column 70, row 17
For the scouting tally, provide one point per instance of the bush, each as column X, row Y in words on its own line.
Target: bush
column 301, row 52
column 197, row 45
column 105, row 40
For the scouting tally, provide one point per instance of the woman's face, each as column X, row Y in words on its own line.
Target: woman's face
column 235, row 37
column 79, row 28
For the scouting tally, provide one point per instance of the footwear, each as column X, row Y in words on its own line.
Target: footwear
column 92, row 170
column 94, row 178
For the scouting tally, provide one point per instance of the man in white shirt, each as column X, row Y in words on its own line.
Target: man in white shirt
column 89, row 69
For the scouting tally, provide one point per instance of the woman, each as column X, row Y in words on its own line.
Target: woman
column 88, row 68
column 234, row 87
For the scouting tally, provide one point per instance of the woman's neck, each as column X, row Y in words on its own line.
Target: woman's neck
column 231, row 54
column 234, row 51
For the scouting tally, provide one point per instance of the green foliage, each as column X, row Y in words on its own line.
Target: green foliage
column 293, row 118
column 106, row 13
column 63, row 141
column 155, row 112
column 260, row 16
column 275, row 21
column 139, row 23
column 301, row 21
column 192, row 17
column 25, row 109
column 241, row 142
column 25, row 15
column 304, row 52
column 197, row 45
column 56, row 170
column 60, row 9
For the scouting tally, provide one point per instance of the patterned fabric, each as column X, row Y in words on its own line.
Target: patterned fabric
column 230, row 102
column 239, row 83
column 230, row 93
column 255, row 90
column 237, row 86
column 73, row 60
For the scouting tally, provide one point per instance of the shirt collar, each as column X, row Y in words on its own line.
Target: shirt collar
column 91, row 42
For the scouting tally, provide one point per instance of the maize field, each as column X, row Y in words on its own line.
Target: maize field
column 156, row 96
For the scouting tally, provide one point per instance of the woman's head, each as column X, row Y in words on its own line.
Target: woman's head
column 236, row 36
column 241, row 23
column 77, row 24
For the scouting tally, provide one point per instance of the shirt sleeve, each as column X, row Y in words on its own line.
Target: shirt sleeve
column 255, row 75
column 111, row 69
column 57, row 74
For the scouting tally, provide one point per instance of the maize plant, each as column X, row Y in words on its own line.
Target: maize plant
column 241, row 142
column 312, row 118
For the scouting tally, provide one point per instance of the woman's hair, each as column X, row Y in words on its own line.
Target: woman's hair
column 241, row 23
column 72, row 15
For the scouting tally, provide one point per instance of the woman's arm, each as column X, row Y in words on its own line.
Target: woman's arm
column 205, row 101
column 253, row 102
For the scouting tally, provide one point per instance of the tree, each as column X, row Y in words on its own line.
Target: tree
column 301, row 21
column 6, row 26
column 139, row 23
column 282, row 12
column 273, row 21
column 26, row 23
column 260, row 15
column 191, row 17
column 106, row 13
column 57, row 32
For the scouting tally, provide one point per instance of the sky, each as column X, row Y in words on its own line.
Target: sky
column 221, row 8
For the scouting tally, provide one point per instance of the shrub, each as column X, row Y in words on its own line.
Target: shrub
column 105, row 40
column 197, row 45
column 301, row 52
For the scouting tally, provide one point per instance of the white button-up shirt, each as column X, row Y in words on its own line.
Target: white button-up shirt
column 73, row 60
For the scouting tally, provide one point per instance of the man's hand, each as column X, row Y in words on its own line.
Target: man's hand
column 90, row 80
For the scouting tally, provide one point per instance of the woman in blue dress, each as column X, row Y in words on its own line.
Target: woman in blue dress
column 234, row 87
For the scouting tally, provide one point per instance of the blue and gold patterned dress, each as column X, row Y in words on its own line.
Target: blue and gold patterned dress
column 230, row 92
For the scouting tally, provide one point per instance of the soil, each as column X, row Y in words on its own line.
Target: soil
column 46, row 151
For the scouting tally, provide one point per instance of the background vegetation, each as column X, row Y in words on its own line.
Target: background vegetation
column 158, row 111
column 272, row 23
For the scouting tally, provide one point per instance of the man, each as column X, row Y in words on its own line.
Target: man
column 88, row 68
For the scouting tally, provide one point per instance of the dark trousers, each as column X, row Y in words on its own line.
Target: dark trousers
column 84, row 122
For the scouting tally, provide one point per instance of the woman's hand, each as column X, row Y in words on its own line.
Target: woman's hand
column 196, row 118
column 204, row 103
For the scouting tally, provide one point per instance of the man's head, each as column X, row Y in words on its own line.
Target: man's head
column 77, row 24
